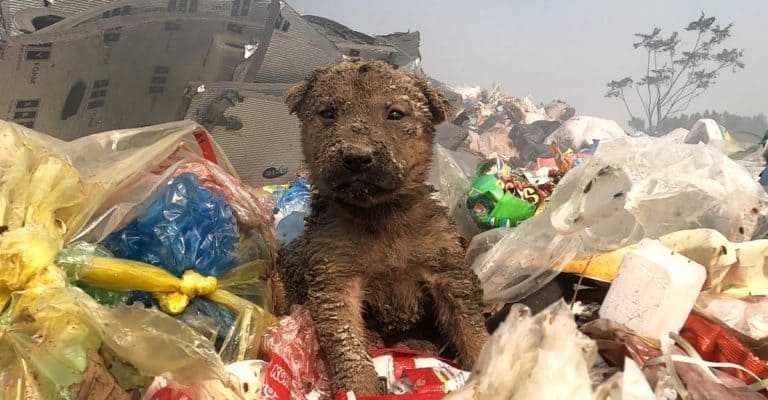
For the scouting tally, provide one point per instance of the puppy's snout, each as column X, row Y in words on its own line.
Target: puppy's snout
column 357, row 158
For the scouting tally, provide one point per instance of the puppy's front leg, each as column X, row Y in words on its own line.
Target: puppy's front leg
column 335, row 302
column 458, row 298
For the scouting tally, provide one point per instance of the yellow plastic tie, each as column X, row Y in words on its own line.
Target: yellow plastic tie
column 192, row 284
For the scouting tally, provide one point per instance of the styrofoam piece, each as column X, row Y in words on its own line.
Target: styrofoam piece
column 654, row 290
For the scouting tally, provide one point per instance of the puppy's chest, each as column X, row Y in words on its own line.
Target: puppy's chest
column 396, row 301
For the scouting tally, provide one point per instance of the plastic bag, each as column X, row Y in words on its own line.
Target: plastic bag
column 449, row 174
column 51, row 192
column 293, row 342
column 47, row 339
column 630, row 189
column 526, row 355
column 291, row 207
column 254, row 215
column 185, row 226
column 85, row 263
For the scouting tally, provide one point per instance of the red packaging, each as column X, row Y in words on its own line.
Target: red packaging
column 171, row 393
column 717, row 345
column 292, row 346
column 277, row 380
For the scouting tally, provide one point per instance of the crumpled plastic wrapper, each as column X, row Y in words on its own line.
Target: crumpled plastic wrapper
column 533, row 357
column 632, row 188
column 294, row 340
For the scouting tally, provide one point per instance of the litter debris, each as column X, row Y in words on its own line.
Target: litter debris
column 654, row 290
column 631, row 188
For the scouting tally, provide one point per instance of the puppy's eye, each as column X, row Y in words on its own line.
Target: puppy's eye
column 328, row 114
column 395, row 115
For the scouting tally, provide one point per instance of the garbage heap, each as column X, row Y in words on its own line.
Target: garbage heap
column 135, row 264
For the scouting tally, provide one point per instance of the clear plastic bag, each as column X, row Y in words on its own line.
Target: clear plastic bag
column 630, row 189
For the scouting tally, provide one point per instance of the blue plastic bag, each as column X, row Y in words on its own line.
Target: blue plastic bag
column 291, row 207
column 185, row 226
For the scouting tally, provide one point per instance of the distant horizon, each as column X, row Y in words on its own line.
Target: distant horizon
column 554, row 49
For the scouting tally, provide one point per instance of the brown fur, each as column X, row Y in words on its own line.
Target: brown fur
column 377, row 250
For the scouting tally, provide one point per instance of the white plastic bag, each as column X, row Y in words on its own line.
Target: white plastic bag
column 527, row 358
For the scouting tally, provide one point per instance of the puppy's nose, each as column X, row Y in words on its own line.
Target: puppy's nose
column 357, row 158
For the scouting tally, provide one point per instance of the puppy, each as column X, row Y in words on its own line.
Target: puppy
column 377, row 250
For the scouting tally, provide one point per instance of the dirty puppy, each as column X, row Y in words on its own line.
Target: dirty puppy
column 378, row 250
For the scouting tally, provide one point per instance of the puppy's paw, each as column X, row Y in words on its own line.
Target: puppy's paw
column 364, row 381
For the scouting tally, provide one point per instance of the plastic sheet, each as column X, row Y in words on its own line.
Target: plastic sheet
column 630, row 189
column 449, row 175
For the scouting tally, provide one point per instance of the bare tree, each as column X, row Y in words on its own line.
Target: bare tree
column 674, row 75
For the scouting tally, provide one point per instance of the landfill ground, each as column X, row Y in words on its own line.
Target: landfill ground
column 232, row 221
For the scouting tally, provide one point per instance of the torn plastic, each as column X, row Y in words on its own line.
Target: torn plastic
column 47, row 339
column 630, row 189
column 526, row 355
column 670, row 374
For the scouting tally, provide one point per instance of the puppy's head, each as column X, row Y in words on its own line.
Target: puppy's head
column 367, row 130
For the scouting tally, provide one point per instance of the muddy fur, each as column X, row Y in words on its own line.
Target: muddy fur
column 377, row 252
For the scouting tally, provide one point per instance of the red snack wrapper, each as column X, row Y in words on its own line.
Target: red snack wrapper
column 292, row 345
column 277, row 380
column 715, row 344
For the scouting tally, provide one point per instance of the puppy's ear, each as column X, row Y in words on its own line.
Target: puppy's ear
column 439, row 107
column 295, row 96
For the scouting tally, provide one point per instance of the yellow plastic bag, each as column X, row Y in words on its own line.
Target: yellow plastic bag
column 51, row 192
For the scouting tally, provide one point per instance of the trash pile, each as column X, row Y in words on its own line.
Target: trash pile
column 135, row 264
column 131, row 263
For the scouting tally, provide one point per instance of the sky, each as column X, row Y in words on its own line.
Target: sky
column 548, row 49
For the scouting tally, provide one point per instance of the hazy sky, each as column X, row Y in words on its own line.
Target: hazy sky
column 559, row 48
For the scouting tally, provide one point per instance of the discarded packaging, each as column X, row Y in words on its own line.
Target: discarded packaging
column 631, row 188
column 654, row 290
